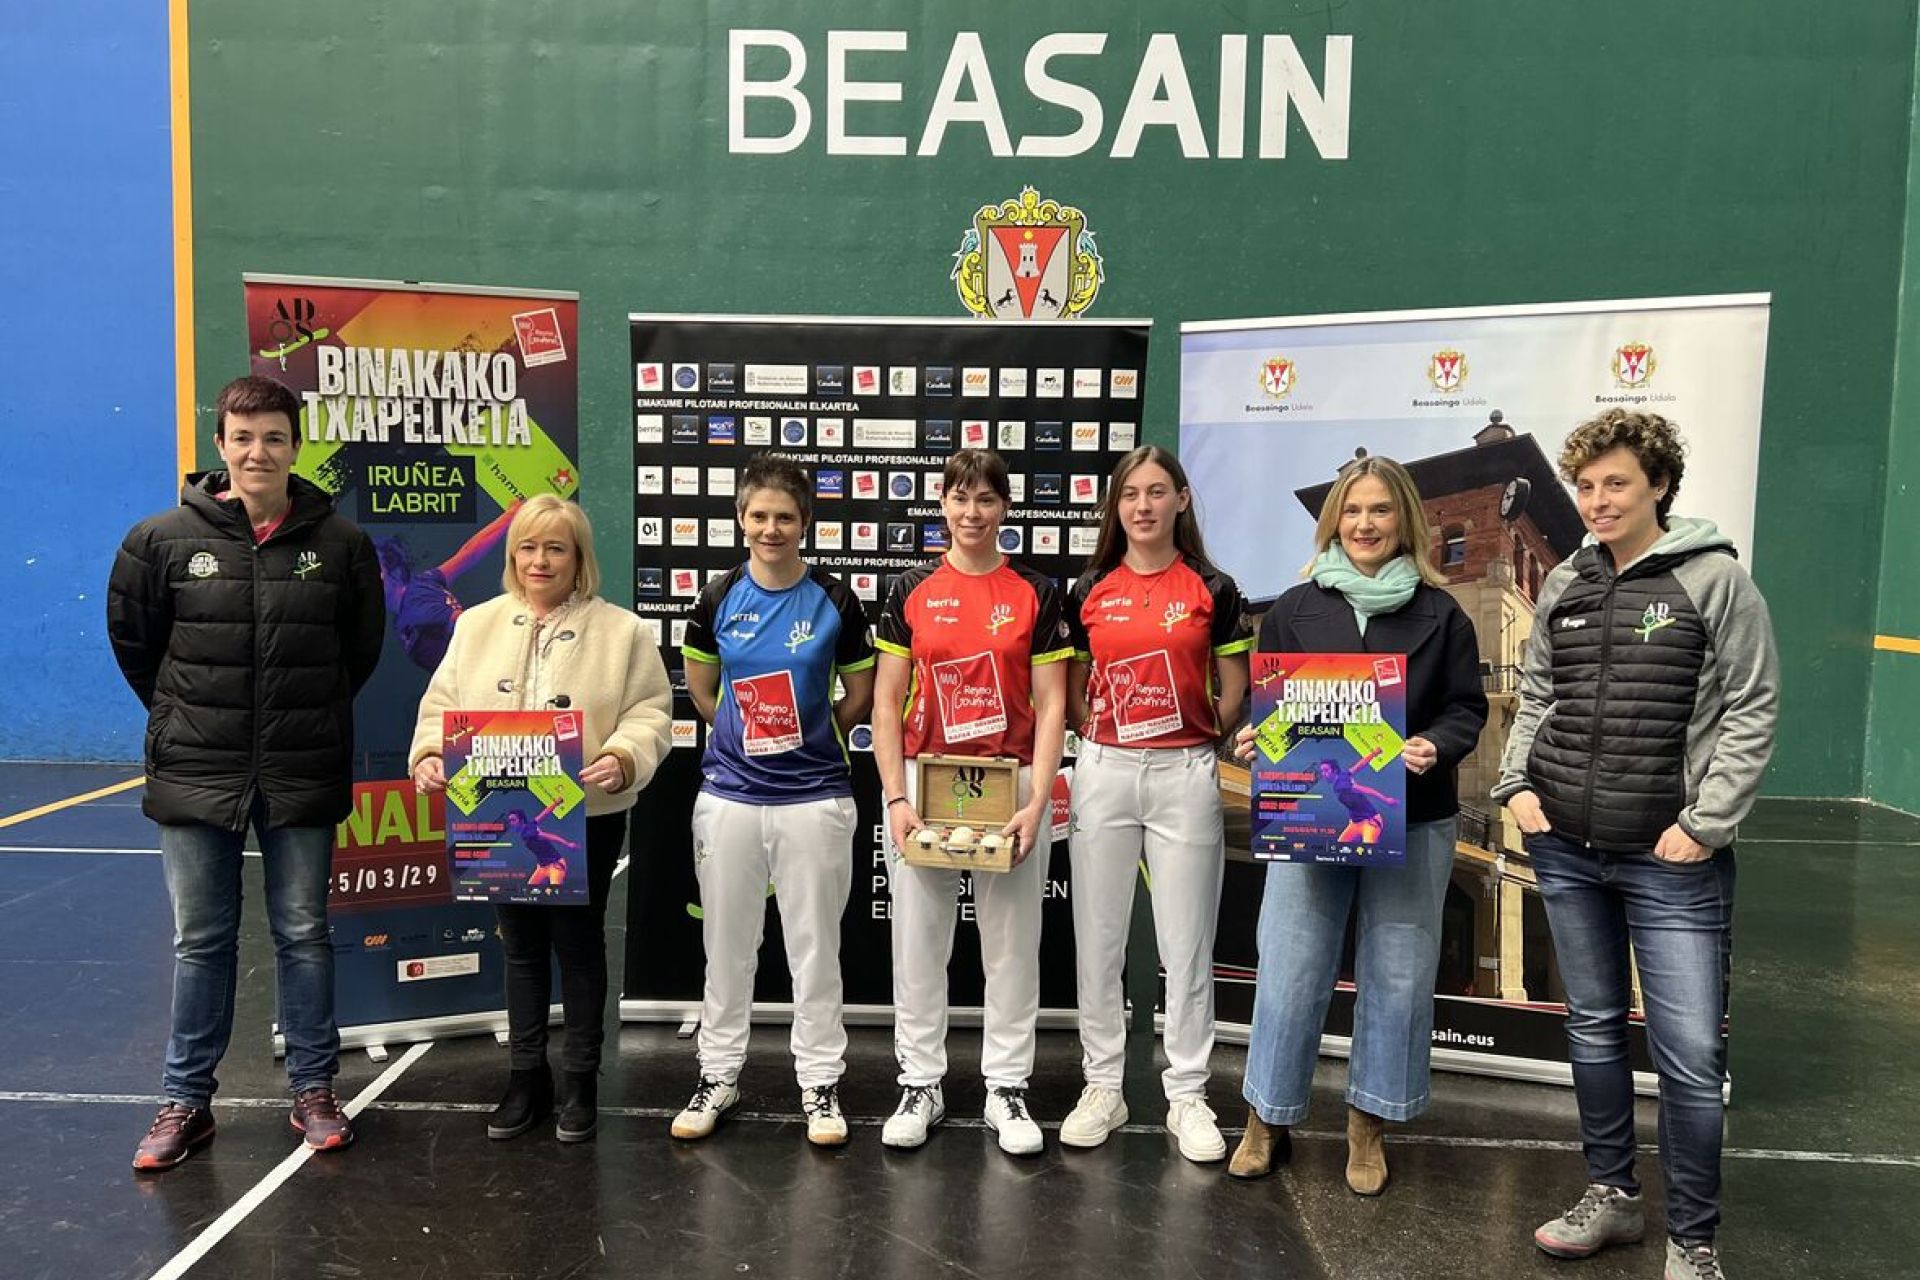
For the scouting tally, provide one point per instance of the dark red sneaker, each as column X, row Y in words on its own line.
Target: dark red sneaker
column 317, row 1114
column 174, row 1134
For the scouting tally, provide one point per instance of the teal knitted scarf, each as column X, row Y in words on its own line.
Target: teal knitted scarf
column 1384, row 592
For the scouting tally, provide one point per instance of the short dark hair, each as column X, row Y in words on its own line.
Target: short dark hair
column 255, row 394
column 977, row 466
column 775, row 471
column 1650, row 438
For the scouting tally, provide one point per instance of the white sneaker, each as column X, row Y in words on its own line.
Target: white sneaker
column 826, row 1127
column 1098, row 1113
column 921, row 1107
column 711, row 1100
column 1007, row 1116
column 1192, row 1121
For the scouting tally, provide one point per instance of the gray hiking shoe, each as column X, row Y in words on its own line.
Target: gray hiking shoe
column 1693, row 1260
column 1603, row 1216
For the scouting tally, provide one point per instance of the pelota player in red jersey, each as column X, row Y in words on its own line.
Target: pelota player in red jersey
column 973, row 648
column 1159, row 670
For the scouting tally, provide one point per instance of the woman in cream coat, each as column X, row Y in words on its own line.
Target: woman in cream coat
column 551, row 643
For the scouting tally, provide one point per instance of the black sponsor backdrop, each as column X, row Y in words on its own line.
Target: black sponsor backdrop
column 707, row 393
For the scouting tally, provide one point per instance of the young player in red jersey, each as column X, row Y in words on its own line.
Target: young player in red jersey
column 974, row 650
column 1159, row 670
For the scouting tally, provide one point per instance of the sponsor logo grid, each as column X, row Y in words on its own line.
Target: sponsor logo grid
column 871, row 412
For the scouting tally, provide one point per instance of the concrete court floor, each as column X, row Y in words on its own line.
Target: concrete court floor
column 1822, row 1175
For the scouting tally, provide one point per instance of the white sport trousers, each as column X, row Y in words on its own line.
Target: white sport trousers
column 805, row 852
column 1163, row 802
column 1007, row 909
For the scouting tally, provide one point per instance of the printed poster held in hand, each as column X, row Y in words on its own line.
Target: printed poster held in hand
column 517, row 821
column 1329, row 777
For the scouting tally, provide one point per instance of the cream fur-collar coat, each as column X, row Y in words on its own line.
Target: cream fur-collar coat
column 604, row 660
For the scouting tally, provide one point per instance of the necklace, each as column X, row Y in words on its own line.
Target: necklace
column 1150, row 581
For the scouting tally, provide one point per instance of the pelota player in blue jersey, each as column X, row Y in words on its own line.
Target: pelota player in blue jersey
column 765, row 647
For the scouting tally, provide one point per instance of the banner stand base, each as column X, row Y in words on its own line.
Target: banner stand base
column 375, row 1037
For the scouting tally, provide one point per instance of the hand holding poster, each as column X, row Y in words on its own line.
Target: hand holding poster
column 519, row 832
column 1329, row 780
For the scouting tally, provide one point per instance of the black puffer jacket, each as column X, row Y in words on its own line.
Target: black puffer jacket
column 247, row 657
column 1648, row 697
column 1446, row 704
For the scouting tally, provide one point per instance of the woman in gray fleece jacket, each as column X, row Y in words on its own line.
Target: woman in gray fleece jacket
column 1648, row 697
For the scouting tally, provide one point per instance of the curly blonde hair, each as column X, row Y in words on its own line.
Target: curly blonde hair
column 1653, row 441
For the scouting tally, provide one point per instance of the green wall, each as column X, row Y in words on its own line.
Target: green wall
column 1892, row 763
column 1500, row 151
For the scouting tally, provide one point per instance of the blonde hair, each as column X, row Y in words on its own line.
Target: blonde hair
column 1416, row 535
column 536, row 516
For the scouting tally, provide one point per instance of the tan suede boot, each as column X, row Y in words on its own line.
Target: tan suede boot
column 1263, row 1147
column 1366, row 1154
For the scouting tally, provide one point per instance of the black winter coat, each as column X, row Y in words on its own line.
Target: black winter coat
column 1446, row 704
column 247, row 657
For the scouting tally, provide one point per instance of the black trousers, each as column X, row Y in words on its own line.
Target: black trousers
column 533, row 937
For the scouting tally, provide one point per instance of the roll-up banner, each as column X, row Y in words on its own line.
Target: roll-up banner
column 430, row 412
column 871, row 408
column 1476, row 402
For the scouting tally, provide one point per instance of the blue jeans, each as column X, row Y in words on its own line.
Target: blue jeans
column 1303, row 922
column 203, row 879
column 1678, row 917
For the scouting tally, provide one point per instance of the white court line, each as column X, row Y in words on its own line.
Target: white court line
column 93, row 849
column 1872, row 1159
column 619, row 867
column 70, row 848
column 181, row 1262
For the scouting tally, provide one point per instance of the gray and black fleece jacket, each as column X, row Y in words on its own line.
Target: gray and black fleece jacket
column 1647, row 697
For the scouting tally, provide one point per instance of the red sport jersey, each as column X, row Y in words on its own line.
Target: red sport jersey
column 1152, row 639
column 974, row 640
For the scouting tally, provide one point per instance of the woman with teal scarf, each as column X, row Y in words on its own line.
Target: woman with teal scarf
column 1373, row 589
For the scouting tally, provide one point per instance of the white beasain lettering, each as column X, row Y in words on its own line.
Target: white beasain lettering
column 863, row 93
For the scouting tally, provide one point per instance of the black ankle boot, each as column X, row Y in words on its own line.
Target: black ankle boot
column 579, row 1114
column 528, row 1101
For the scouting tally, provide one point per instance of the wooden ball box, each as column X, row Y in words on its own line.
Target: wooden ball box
column 964, row 801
